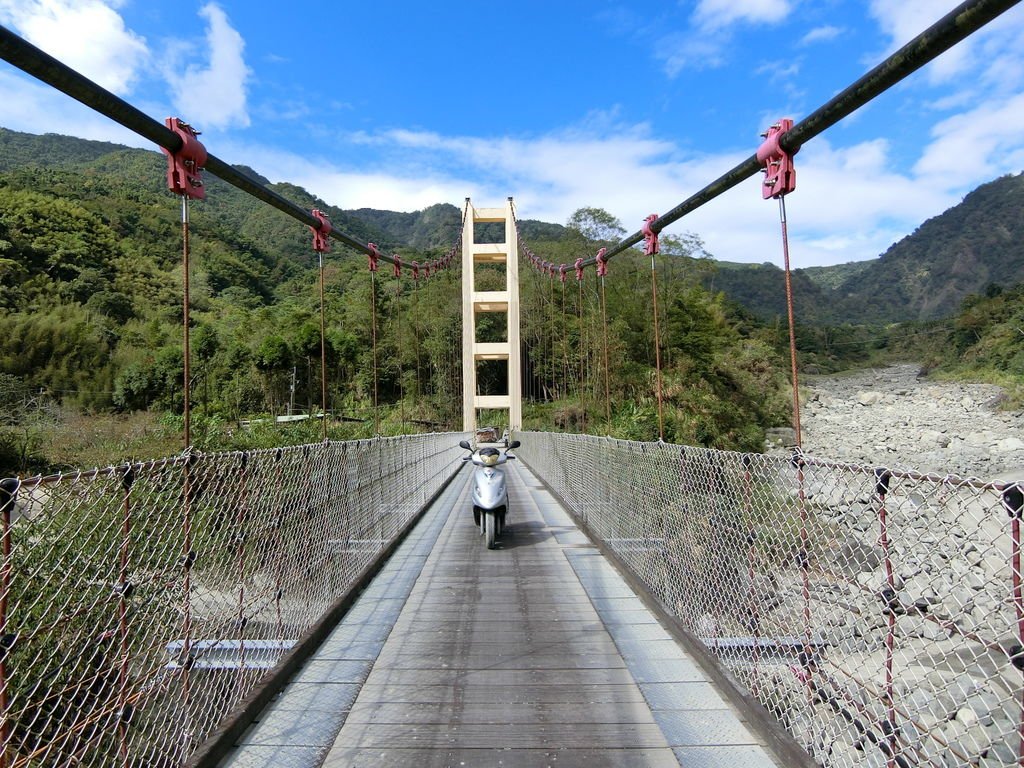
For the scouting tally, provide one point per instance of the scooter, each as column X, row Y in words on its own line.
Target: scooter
column 490, row 491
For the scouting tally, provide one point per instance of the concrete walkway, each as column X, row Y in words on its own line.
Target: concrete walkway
column 533, row 654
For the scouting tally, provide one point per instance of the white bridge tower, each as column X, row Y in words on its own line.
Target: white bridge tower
column 476, row 302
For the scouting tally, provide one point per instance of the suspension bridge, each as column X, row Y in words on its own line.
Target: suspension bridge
column 651, row 604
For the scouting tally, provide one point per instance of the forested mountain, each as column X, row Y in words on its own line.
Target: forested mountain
column 958, row 253
column 91, row 287
column 924, row 276
column 91, row 308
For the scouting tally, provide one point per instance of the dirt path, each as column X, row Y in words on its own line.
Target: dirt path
column 889, row 417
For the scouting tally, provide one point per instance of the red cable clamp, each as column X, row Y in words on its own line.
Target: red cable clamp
column 415, row 270
column 426, row 269
column 185, row 166
column 321, row 234
column 561, row 272
column 373, row 256
column 650, row 236
column 602, row 263
column 579, row 269
column 780, row 173
column 398, row 265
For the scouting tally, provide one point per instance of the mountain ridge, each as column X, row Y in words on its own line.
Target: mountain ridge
column 923, row 276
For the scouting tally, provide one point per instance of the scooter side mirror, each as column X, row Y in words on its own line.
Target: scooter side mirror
column 465, row 444
column 514, row 444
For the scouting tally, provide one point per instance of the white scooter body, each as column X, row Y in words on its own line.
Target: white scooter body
column 489, row 493
column 490, row 490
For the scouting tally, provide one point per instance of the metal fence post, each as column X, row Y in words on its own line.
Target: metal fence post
column 8, row 495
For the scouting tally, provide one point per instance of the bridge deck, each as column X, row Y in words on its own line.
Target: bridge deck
column 533, row 654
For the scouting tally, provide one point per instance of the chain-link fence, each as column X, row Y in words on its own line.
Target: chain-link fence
column 876, row 613
column 140, row 603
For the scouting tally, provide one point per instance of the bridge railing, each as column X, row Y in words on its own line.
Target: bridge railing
column 141, row 603
column 876, row 613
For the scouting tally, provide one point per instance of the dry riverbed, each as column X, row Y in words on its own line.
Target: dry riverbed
column 890, row 417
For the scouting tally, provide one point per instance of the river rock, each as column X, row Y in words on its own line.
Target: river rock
column 967, row 716
column 869, row 398
column 922, row 429
column 1008, row 444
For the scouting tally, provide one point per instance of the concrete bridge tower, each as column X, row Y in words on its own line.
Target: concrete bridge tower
column 476, row 303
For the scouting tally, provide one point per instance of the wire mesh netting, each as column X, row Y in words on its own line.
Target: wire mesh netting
column 875, row 612
column 140, row 603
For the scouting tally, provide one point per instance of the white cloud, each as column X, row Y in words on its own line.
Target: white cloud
column 33, row 107
column 713, row 15
column 903, row 20
column 821, row 34
column 705, row 44
column 779, row 71
column 685, row 50
column 214, row 95
column 849, row 204
column 994, row 55
column 87, row 35
column 979, row 145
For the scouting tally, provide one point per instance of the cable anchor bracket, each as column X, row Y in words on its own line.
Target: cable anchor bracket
column 322, row 233
column 651, row 246
column 779, row 171
column 185, row 166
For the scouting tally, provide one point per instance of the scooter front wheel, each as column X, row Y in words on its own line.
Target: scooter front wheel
column 490, row 528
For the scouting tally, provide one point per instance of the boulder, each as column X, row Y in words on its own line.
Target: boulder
column 869, row 398
column 967, row 716
column 1009, row 444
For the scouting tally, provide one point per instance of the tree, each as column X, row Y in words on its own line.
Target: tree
column 596, row 224
column 273, row 359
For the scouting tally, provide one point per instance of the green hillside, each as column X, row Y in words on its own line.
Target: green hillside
column 925, row 276
column 958, row 253
column 90, row 259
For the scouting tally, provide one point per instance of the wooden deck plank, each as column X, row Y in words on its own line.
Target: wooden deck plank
column 500, row 650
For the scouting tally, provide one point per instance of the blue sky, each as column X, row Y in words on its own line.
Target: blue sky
column 627, row 106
